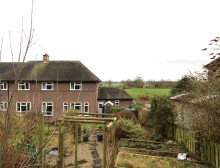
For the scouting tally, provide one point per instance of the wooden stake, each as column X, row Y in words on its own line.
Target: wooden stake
column 41, row 140
column 104, row 146
column 76, row 142
column 61, row 149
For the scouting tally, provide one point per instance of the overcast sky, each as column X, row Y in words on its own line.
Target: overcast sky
column 116, row 39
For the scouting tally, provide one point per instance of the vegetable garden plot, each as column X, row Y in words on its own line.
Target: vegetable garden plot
column 144, row 154
column 130, row 160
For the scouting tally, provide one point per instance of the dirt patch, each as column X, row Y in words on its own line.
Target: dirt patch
column 89, row 153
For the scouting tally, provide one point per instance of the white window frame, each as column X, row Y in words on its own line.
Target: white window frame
column 26, row 86
column 86, row 107
column 47, row 86
column 75, row 105
column 4, row 86
column 65, row 107
column 75, row 85
column 26, row 105
column 117, row 102
column 3, row 106
column 44, row 107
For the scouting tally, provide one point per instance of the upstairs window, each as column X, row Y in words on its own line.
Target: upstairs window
column 4, row 86
column 23, row 86
column 47, row 86
column 75, row 86
column 3, row 106
column 47, row 108
column 116, row 102
column 23, row 106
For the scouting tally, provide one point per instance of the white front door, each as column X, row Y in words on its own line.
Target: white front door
column 100, row 107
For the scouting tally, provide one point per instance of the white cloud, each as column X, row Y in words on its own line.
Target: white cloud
column 117, row 39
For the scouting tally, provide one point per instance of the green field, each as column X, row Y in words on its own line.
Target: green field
column 151, row 92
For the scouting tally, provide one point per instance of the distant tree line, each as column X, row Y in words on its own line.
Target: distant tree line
column 160, row 84
column 138, row 82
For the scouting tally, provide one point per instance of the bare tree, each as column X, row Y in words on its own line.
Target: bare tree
column 109, row 83
column 139, row 82
column 9, row 129
column 128, row 84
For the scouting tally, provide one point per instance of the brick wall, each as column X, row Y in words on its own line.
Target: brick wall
column 60, row 94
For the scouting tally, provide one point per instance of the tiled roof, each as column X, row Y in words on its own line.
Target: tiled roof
column 62, row 71
column 106, row 93
column 214, row 63
column 213, row 67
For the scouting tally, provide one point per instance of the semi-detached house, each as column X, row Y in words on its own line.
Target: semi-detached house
column 50, row 87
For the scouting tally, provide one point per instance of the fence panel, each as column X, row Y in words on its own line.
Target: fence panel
column 216, row 156
column 205, row 149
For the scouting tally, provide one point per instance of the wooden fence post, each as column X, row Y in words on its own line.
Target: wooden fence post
column 218, row 158
column 104, row 146
column 61, row 149
column 76, row 142
column 198, row 144
column 41, row 140
column 216, row 155
column 205, row 150
column 212, row 153
column 208, row 151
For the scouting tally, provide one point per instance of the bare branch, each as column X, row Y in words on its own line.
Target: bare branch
column 8, row 121
column 31, row 32
column 21, row 42
column 12, row 55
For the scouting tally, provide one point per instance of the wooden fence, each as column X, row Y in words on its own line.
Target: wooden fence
column 109, row 143
column 205, row 149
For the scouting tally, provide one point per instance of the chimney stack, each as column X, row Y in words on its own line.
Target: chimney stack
column 45, row 58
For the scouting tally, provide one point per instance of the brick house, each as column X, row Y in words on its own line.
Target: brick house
column 50, row 87
column 114, row 97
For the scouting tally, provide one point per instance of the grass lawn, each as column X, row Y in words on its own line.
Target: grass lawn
column 90, row 125
column 151, row 92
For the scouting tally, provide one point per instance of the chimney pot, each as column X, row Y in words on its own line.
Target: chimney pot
column 45, row 58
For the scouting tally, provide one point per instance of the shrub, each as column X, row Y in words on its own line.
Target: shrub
column 144, row 98
column 162, row 115
column 69, row 125
column 72, row 112
column 128, row 129
column 143, row 117
column 126, row 114
column 116, row 109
